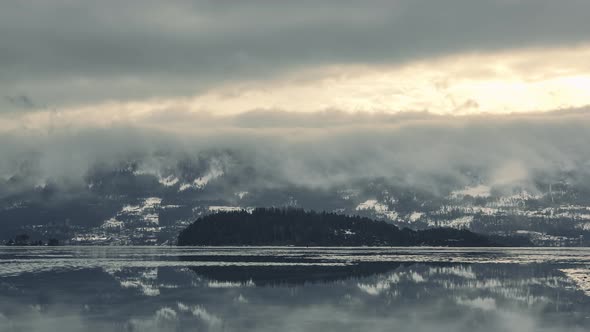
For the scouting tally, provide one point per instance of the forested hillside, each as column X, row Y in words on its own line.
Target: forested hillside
column 307, row 228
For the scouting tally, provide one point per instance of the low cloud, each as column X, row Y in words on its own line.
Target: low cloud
column 314, row 150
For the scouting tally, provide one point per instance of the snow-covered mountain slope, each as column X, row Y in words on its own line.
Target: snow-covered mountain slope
column 137, row 204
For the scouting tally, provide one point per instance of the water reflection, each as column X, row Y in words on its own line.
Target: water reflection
column 291, row 274
column 303, row 293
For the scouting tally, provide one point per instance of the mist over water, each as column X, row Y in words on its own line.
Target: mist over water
column 292, row 289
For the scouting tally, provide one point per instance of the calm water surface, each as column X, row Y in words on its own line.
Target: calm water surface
column 293, row 289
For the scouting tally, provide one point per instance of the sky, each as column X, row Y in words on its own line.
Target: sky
column 107, row 61
column 497, row 84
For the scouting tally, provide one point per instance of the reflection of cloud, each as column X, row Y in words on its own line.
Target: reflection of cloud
column 164, row 319
column 479, row 303
column 241, row 299
column 53, row 319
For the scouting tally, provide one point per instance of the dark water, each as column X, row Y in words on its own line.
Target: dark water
column 293, row 289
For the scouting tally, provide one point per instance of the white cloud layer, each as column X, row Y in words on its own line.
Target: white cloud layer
column 316, row 149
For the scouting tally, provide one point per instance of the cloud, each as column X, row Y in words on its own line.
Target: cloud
column 74, row 52
column 485, row 304
column 314, row 150
column 21, row 101
column 511, row 81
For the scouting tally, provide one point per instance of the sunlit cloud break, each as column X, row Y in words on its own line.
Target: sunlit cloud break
column 503, row 82
column 465, row 84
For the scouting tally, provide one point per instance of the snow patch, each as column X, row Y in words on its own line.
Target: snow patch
column 372, row 204
column 415, row 216
column 168, row 181
column 242, row 194
column 151, row 202
column 379, row 208
column 349, row 232
column 215, row 171
column 461, row 222
column 518, row 198
column 477, row 191
column 223, row 208
column 147, row 210
column 348, row 194
column 112, row 223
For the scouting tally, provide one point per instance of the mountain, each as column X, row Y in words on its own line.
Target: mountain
column 283, row 227
column 134, row 203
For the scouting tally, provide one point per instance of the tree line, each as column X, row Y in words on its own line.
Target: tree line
column 289, row 226
column 25, row 240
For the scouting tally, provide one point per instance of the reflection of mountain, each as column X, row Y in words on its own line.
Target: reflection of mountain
column 288, row 274
column 420, row 297
column 286, row 289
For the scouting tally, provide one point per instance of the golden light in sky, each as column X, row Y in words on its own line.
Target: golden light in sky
column 508, row 82
column 529, row 80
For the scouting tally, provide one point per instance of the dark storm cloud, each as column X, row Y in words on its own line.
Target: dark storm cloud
column 65, row 51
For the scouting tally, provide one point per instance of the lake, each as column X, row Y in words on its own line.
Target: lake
column 294, row 289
